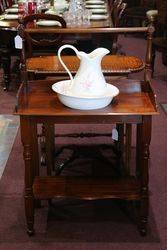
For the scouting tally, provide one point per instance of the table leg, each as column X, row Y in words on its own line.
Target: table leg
column 6, row 62
column 36, row 160
column 28, row 135
column 143, row 142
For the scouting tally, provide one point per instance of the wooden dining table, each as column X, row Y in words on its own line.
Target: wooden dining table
column 9, row 29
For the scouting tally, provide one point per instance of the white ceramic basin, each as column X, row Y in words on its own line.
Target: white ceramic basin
column 63, row 90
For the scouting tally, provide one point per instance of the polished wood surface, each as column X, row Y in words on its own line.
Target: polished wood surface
column 13, row 24
column 86, row 188
column 41, row 100
column 38, row 104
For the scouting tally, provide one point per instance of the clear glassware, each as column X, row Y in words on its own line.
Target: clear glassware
column 70, row 19
column 40, row 5
column 79, row 17
column 86, row 18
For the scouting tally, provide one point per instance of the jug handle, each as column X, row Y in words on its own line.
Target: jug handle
column 61, row 61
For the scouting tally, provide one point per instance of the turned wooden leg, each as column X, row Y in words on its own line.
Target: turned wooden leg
column 27, row 136
column 143, row 142
column 36, row 160
column 29, row 211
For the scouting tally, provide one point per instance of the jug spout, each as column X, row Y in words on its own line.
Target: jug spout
column 99, row 53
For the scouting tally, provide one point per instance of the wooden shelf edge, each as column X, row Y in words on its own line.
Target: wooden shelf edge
column 86, row 188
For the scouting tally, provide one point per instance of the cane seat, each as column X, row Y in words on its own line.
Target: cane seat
column 112, row 64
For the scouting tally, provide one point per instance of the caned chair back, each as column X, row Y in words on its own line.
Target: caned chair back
column 34, row 40
column 117, row 13
column 3, row 5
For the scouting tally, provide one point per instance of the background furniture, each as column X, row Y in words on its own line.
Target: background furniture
column 136, row 15
column 7, row 47
column 159, row 20
column 38, row 46
column 159, row 44
column 117, row 13
column 8, row 30
column 7, row 51
column 43, row 65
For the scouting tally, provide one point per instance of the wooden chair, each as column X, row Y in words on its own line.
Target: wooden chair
column 136, row 16
column 6, row 3
column 117, row 12
column 160, row 39
column 37, row 44
column 7, row 48
column 160, row 45
column 2, row 7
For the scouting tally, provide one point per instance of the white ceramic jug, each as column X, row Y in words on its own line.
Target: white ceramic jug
column 89, row 79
